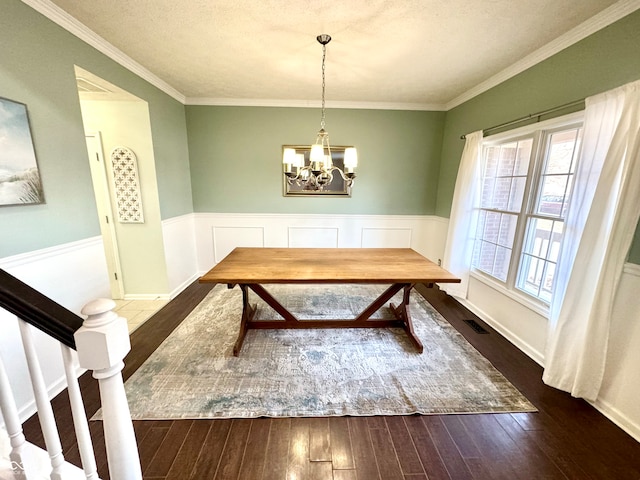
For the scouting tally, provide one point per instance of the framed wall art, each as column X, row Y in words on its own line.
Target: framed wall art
column 19, row 175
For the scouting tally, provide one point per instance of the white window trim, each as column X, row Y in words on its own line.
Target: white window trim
column 528, row 301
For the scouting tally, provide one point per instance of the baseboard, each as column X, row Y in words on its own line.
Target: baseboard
column 164, row 296
column 525, row 347
column 617, row 417
column 148, row 296
column 180, row 288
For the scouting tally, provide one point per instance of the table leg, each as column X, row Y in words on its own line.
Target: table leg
column 402, row 312
column 289, row 318
column 378, row 303
column 248, row 312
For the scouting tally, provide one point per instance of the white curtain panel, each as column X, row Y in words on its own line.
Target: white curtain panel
column 463, row 219
column 599, row 229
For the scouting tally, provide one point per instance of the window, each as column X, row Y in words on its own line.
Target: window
column 526, row 189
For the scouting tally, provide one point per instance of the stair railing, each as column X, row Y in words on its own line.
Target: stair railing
column 101, row 342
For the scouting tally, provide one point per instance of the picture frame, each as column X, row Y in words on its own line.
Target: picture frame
column 337, row 187
column 20, row 182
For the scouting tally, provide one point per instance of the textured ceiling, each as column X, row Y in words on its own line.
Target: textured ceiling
column 413, row 52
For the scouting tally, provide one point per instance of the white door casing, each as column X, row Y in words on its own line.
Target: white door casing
column 105, row 213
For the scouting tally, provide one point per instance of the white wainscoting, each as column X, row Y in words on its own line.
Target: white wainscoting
column 71, row 274
column 527, row 329
column 216, row 234
column 226, row 239
column 313, row 237
column 381, row 237
column 521, row 325
column 180, row 250
column 618, row 398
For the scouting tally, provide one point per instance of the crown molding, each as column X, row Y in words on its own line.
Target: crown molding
column 608, row 16
column 69, row 23
column 245, row 102
column 603, row 19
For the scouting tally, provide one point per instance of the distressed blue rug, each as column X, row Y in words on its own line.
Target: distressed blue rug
column 315, row 372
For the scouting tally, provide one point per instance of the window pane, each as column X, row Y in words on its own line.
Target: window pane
column 487, row 254
column 487, row 192
column 523, row 156
column 505, row 175
column 518, row 185
column 530, row 273
column 537, row 237
column 492, row 154
column 539, row 257
column 561, row 151
column 491, row 227
column 557, row 173
column 501, row 263
column 507, row 230
column 552, row 195
column 494, row 243
column 507, row 159
column 501, row 193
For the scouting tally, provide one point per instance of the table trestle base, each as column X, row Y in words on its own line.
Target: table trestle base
column 363, row 320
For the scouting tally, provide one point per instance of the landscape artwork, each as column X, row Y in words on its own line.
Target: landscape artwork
column 19, row 176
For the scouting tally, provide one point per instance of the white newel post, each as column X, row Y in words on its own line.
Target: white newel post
column 102, row 343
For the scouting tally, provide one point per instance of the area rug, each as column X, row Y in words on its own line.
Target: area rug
column 315, row 372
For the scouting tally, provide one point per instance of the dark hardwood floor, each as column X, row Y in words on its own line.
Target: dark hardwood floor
column 565, row 439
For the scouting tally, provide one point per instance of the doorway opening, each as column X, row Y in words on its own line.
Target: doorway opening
column 115, row 119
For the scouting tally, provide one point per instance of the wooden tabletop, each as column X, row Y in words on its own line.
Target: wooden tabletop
column 326, row 265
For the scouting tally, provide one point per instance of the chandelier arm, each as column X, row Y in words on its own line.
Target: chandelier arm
column 347, row 177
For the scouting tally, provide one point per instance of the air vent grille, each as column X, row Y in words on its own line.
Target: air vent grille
column 476, row 326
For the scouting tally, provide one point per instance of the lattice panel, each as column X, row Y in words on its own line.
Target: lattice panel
column 127, row 185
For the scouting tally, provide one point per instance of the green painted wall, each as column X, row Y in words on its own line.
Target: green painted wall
column 37, row 60
column 607, row 59
column 236, row 158
column 408, row 160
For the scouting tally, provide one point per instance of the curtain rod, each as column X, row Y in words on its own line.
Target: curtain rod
column 530, row 116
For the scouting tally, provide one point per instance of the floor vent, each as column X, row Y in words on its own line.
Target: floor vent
column 476, row 326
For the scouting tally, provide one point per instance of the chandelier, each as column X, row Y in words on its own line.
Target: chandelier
column 317, row 173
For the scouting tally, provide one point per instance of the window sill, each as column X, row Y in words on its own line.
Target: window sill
column 537, row 307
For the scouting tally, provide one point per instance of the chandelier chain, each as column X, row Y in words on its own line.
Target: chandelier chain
column 324, row 54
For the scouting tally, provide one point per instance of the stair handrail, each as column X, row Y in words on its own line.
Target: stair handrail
column 37, row 309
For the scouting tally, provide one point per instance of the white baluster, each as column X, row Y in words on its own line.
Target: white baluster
column 80, row 423
column 12, row 423
column 45, row 412
column 102, row 343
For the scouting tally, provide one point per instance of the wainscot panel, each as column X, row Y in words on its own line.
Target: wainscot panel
column 216, row 234
column 178, row 236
